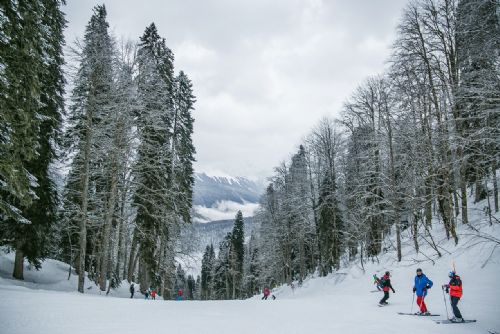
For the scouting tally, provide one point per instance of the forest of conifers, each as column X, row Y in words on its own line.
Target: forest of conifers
column 96, row 149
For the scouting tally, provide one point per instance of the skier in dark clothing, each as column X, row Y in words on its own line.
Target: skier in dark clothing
column 386, row 285
column 132, row 290
column 454, row 288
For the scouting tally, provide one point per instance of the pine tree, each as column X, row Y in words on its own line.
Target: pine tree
column 182, row 148
column 237, row 255
column 207, row 265
column 222, row 287
column 153, row 168
column 330, row 225
column 40, row 30
column 91, row 98
column 20, row 89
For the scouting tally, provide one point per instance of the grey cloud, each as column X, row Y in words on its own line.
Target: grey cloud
column 264, row 72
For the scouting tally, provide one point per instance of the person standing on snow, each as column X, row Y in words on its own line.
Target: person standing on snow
column 180, row 293
column 454, row 288
column 422, row 284
column 386, row 285
column 153, row 294
column 266, row 292
column 132, row 290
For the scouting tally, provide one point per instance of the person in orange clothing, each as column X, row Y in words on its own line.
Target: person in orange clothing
column 153, row 294
column 454, row 288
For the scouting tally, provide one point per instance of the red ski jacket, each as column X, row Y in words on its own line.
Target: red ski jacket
column 386, row 283
column 456, row 287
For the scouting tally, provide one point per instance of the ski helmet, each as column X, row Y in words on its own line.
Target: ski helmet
column 451, row 274
column 418, row 269
column 388, row 273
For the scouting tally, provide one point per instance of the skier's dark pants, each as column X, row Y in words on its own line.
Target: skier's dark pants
column 386, row 296
column 456, row 311
column 265, row 297
column 131, row 295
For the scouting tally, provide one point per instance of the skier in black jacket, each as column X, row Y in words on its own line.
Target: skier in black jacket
column 386, row 285
column 132, row 290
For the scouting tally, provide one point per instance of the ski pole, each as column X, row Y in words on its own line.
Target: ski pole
column 445, row 305
column 412, row 301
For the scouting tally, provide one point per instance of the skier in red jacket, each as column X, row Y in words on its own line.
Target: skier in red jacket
column 454, row 288
column 386, row 286
column 266, row 292
column 179, row 294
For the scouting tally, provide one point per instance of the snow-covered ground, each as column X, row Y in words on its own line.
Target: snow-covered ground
column 47, row 303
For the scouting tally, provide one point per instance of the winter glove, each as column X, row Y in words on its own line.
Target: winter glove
column 414, row 290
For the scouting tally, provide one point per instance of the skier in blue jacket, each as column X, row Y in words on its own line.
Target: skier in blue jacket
column 422, row 284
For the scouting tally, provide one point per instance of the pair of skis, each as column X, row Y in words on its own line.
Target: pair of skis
column 420, row 315
column 442, row 321
column 448, row 321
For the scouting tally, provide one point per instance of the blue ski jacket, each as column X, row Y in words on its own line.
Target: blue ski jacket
column 422, row 283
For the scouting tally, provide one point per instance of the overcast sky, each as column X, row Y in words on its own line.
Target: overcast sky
column 264, row 72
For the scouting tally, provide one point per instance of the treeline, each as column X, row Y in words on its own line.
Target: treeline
column 227, row 274
column 125, row 148
column 408, row 146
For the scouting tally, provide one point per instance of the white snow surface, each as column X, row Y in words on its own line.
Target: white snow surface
column 47, row 303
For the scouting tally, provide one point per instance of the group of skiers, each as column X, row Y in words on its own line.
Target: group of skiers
column 421, row 286
column 148, row 293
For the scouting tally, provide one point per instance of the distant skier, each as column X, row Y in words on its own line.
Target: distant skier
column 153, row 294
column 385, row 282
column 132, row 290
column 180, row 293
column 266, row 292
column 146, row 294
column 422, row 284
column 376, row 282
column 454, row 288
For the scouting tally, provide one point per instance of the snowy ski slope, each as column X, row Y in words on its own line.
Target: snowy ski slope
column 47, row 303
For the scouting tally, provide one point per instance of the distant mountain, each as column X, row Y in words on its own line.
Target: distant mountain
column 208, row 190
column 218, row 198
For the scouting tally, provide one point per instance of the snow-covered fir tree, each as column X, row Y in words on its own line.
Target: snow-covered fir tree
column 31, row 105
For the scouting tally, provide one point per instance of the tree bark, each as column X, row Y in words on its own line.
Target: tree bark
column 132, row 257
column 495, row 184
column 19, row 262
column 107, row 227
column 85, row 187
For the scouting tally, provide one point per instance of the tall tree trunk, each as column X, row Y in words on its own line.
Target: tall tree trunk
column 480, row 189
column 85, row 187
column 107, row 227
column 456, row 204
column 119, row 254
column 463, row 195
column 495, row 183
column 19, row 262
column 415, row 232
column 132, row 256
